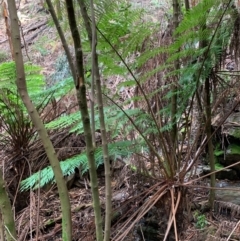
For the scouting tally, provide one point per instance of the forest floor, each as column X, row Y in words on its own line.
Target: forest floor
column 41, row 218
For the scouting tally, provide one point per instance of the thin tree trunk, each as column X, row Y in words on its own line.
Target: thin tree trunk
column 73, row 70
column 51, row 154
column 92, row 35
column 6, row 211
column 81, row 94
column 87, row 23
column 210, row 144
column 174, row 88
column 96, row 75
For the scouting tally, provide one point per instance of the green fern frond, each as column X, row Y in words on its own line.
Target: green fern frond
column 8, row 77
column 46, row 175
column 34, row 79
column 149, row 54
column 64, row 121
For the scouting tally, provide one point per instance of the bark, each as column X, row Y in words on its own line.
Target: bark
column 6, row 211
column 81, row 94
column 51, row 154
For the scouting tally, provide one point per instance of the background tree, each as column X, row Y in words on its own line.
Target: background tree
column 22, row 88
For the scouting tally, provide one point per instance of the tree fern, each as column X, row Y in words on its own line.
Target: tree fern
column 189, row 34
